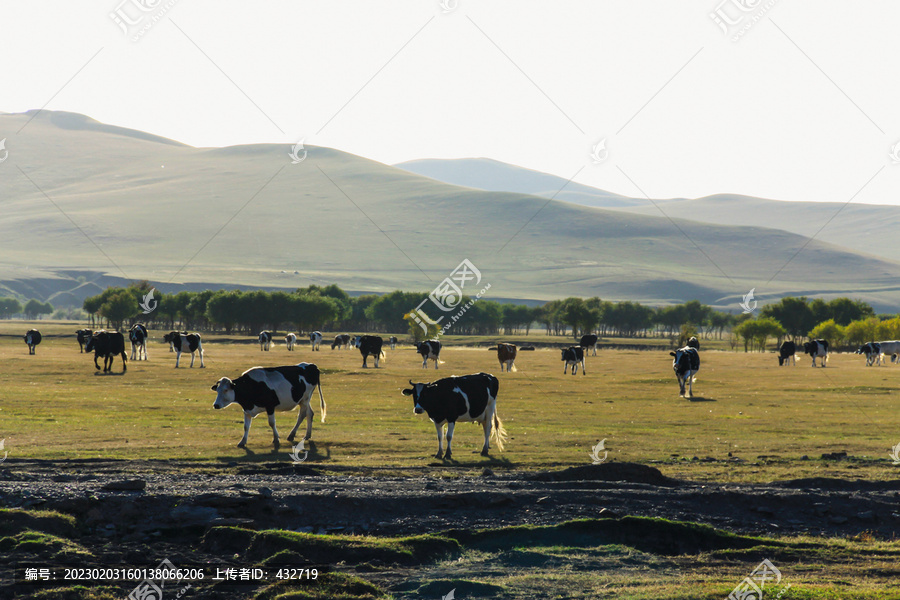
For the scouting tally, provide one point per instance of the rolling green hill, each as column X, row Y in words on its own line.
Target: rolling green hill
column 81, row 198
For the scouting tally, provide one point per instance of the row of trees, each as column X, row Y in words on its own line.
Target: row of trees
column 331, row 308
column 33, row 309
column 841, row 321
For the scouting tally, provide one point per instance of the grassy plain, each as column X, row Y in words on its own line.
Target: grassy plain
column 54, row 405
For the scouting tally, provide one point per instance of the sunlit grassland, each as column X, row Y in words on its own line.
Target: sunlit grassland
column 55, row 405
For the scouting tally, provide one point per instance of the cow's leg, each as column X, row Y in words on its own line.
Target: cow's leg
column 275, row 441
column 124, row 365
column 145, row 351
column 450, row 427
column 690, row 385
column 583, row 372
column 488, row 419
column 301, row 414
column 247, row 420
column 436, row 364
column 365, row 358
column 565, row 368
column 377, row 358
column 95, row 362
column 440, row 436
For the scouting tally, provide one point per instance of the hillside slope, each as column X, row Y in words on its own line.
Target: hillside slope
column 146, row 207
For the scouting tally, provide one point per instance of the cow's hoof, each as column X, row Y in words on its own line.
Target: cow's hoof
column 241, row 444
column 484, row 452
column 290, row 439
column 439, row 455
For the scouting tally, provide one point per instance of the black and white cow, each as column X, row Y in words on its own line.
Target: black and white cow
column 170, row 337
column 289, row 341
column 107, row 344
column 138, row 337
column 786, row 353
column 265, row 340
column 430, row 350
column 270, row 389
column 315, row 340
column 589, row 342
column 890, row 347
column 32, row 337
column 341, row 341
column 467, row 398
column 186, row 342
column 873, row 353
column 369, row 345
column 693, row 342
column 83, row 336
column 817, row 349
column 392, row 341
column 573, row 356
column 686, row 363
column 506, row 354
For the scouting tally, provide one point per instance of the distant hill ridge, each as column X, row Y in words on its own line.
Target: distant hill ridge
column 147, row 207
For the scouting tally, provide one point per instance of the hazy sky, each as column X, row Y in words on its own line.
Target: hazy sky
column 798, row 101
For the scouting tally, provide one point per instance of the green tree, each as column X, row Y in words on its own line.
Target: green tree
column 794, row 314
column 9, row 307
column 117, row 307
column 829, row 331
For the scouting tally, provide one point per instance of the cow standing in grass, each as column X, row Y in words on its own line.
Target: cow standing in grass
column 572, row 357
column 272, row 389
column 392, row 341
column 817, row 349
column 369, row 345
column 589, row 342
column 138, row 336
column 786, row 353
column 107, row 344
column 289, row 341
column 83, row 335
column 315, row 340
column 265, row 340
column 187, row 342
column 468, row 398
column 32, row 338
column 341, row 341
column 506, row 354
column 873, row 353
column 686, row 363
column 430, row 350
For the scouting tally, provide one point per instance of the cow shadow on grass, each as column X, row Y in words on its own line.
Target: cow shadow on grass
column 110, row 374
column 701, row 399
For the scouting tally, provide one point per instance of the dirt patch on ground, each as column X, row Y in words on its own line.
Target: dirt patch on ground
column 140, row 512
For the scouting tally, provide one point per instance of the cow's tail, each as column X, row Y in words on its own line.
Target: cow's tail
column 321, row 400
column 512, row 368
column 383, row 356
column 498, row 432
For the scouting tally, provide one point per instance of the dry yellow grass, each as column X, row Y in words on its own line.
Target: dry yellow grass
column 54, row 405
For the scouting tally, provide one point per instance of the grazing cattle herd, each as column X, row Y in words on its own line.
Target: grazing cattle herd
column 471, row 398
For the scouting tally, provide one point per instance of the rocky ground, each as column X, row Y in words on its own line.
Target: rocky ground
column 139, row 512
column 134, row 501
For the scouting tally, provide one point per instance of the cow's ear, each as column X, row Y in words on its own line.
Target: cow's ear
column 672, row 354
column 215, row 386
column 406, row 392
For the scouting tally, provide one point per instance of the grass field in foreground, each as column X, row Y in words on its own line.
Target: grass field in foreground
column 54, row 405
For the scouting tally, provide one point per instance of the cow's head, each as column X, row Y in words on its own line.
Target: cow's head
column 356, row 340
column 415, row 392
column 781, row 360
column 224, row 389
column 565, row 354
column 864, row 349
column 810, row 347
column 89, row 343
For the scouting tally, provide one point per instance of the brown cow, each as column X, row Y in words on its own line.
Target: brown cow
column 506, row 354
